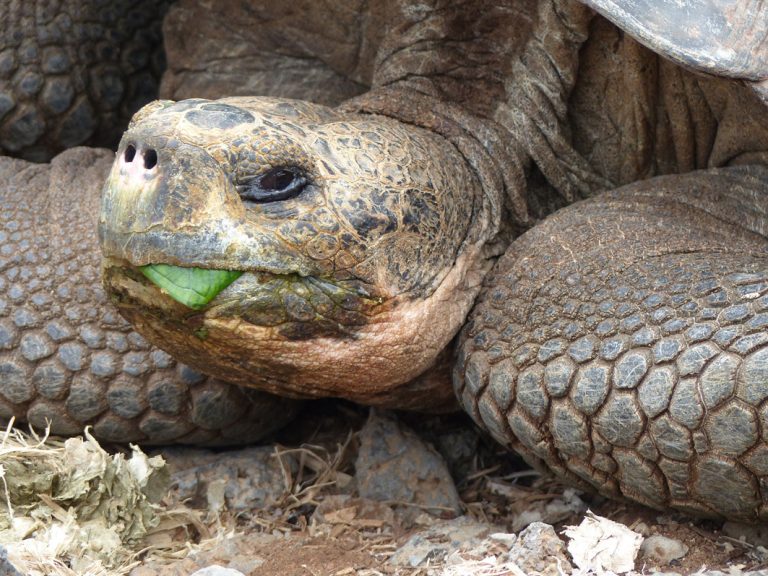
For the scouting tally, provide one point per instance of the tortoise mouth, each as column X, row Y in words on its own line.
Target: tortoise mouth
column 191, row 286
column 255, row 296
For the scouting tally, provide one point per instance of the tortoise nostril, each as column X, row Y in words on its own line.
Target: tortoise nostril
column 130, row 153
column 150, row 159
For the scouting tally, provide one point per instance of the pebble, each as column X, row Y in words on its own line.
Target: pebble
column 439, row 541
column 6, row 567
column 662, row 550
column 538, row 549
column 463, row 544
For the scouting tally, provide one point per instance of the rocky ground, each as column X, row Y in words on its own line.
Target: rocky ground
column 346, row 492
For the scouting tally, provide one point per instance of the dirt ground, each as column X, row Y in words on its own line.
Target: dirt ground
column 301, row 505
column 300, row 554
column 315, row 538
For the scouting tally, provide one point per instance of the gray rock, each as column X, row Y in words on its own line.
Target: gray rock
column 662, row 550
column 539, row 550
column 436, row 543
column 6, row 567
column 394, row 465
column 463, row 547
column 247, row 479
column 459, row 448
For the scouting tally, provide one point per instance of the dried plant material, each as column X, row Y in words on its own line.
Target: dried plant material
column 69, row 507
column 602, row 546
column 325, row 472
column 342, row 516
column 369, row 522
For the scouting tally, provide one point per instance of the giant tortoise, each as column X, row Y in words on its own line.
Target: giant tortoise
column 526, row 202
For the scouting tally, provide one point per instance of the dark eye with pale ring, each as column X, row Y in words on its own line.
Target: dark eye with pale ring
column 274, row 185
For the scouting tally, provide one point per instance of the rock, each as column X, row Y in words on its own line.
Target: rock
column 6, row 567
column 642, row 528
column 217, row 571
column 756, row 534
column 440, row 541
column 240, row 479
column 459, row 448
column 393, row 464
column 758, row 555
column 662, row 550
column 538, row 550
column 464, row 547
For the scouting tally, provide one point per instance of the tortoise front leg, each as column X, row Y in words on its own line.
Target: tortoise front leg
column 623, row 343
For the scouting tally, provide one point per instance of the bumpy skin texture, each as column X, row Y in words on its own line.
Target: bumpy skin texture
column 483, row 118
column 623, row 344
column 66, row 355
column 73, row 72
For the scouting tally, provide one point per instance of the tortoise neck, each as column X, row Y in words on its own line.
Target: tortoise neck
column 460, row 52
column 494, row 157
column 507, row 110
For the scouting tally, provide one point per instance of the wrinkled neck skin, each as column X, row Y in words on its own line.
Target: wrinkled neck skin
column 495, row 80
column 551, row 103
column 352, row 288
column 390, row 361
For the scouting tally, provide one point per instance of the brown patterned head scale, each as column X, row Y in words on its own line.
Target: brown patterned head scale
column 355, row 236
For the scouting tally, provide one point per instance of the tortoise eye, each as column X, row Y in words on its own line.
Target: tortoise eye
column 274, row 185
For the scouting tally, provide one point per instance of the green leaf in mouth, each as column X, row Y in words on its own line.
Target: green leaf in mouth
column 193, row 287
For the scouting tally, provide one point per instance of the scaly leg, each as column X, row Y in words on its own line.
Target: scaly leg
column 623, row 343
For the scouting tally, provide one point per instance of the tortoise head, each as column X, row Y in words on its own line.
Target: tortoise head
column 287, row 246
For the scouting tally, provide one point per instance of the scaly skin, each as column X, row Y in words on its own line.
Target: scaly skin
column 329, row 276
column 66, row 356
column 623, row 343
column 73, row 72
